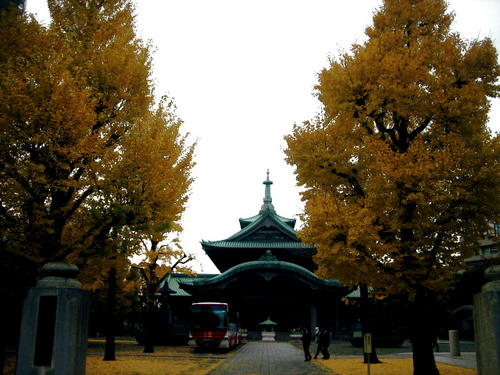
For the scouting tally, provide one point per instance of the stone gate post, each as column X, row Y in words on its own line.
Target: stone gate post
column 54, row 324
column 487, row 324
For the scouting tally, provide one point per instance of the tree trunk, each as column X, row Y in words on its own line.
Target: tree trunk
column 109, row 349
column 422, row 335
column 366, row 323
column 148, row 330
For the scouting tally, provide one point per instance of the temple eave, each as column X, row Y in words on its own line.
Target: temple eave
column 264, row 266
column 255, row 245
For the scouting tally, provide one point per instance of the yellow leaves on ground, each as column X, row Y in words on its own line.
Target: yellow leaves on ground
column 150, row 366
column 399, row 366
column 171, row 360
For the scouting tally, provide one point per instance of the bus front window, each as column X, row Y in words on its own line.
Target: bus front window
column 208, row 317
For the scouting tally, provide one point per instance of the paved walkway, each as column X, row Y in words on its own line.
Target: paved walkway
column 466, row 359
column 268, row 358
column 282, row 358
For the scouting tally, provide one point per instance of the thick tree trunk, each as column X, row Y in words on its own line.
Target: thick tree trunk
column 422, row 335
column 366, row 323
column 109, row 349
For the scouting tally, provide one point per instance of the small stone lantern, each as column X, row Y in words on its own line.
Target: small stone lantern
column 268, row 333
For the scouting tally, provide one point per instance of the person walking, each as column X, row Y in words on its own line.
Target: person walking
column 306, row 343
column 320, row 341
column 323, row 343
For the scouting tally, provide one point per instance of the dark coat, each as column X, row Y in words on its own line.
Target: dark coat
column 324, row 338
column 306, row 337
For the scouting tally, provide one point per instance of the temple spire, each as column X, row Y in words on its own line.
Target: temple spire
column 268, row 205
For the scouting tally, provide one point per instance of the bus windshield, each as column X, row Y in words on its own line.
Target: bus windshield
column 208, row 317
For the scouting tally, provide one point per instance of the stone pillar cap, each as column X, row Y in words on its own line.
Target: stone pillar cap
column 59, row 275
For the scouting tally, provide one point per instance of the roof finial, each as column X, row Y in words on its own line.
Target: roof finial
column 267, row 196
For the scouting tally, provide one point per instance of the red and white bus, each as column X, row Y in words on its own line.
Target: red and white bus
column 214, row 325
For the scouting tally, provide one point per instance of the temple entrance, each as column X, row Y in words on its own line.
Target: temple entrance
column 291, row 297
column 288, row 313
column 285, row 300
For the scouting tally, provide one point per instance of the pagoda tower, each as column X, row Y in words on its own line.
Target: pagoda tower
column 265, row 231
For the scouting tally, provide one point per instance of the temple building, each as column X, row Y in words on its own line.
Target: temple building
column 266, row 272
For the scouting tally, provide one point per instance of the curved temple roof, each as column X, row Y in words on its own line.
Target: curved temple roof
column 267, row 262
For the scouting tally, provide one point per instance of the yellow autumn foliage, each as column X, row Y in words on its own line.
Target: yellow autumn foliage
column 69, row 93
column 389, row 366
column 400, row 173
column 90, row 167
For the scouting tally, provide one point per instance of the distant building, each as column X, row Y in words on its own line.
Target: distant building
column 5, row 4
column 489, row 247
column 267, row 272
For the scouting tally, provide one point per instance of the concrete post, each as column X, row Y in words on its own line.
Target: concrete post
column 54, row 324
column 487, row 324
column 454, row 343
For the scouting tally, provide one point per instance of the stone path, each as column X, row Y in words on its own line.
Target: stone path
column 268, row 358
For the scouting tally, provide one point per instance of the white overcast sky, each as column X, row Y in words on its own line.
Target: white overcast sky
column 242, row 73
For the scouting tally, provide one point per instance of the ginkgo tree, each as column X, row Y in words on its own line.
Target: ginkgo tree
column 400, row 172
column 157, row 163
column 153, row 172
column 89, row 165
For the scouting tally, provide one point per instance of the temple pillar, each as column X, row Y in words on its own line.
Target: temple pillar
column 314, row 316
column 337, row 317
